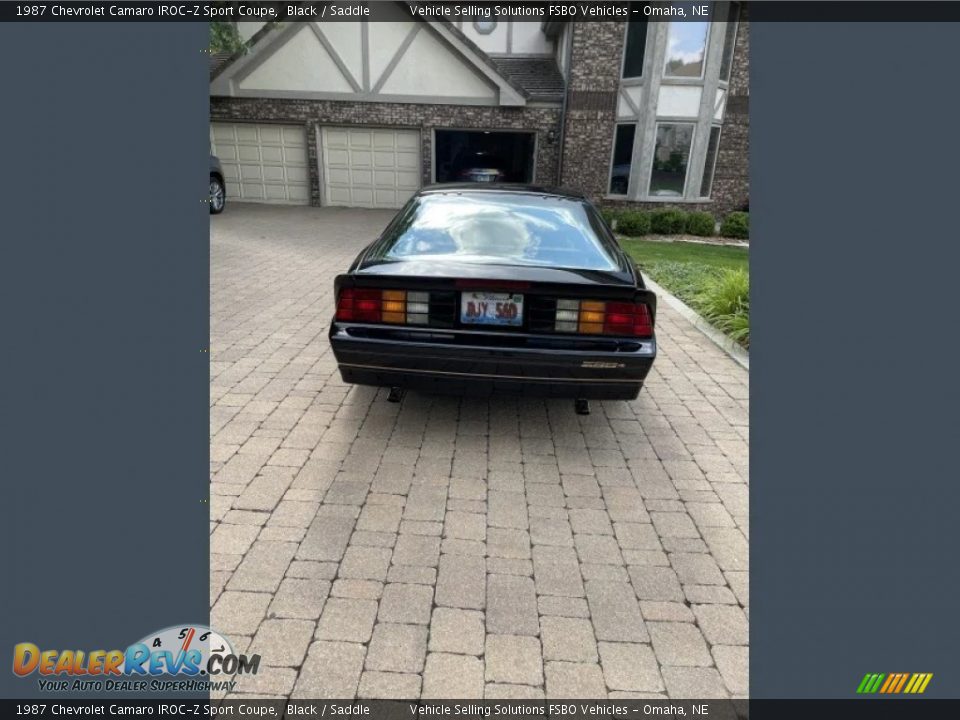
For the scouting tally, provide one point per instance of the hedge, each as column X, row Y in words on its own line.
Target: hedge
column 633, row 223
column 669, row 221
column 611, row 215
column 702, row 224
column 736, row 225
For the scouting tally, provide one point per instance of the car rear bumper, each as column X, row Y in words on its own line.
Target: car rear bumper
column 472, row 363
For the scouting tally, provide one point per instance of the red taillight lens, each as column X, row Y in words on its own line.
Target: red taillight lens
column 359, row 305
column 618, row 319
column 398, row 307
column 642, row 321
column 628, row 319
column 593, row 317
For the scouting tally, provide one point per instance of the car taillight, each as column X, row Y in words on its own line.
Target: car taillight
column 593, row 317
column 387, row 306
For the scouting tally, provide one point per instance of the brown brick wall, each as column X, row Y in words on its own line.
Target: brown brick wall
column 596, row 50
column 731, row 180
column 313, row 113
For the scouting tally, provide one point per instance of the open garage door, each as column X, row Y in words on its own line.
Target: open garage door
column 369, row 167
column 484, row 156
column 263, row 163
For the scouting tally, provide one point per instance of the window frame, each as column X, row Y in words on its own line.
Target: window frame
column 613, row 154
column 713, row 167
column 682, row 197
column 646, row 46
column 733, row 11
column 703, row 62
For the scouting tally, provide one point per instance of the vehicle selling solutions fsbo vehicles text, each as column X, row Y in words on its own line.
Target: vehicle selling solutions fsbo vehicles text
column 502, row 11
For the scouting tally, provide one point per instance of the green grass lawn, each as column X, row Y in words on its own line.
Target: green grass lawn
column 649, row 252
column 712, row 279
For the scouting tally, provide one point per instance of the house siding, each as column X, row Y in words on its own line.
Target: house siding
column 423, row 117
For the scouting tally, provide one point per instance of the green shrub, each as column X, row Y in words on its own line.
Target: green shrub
column 224, row 37
column 725, row 302
column 669, row 221
column 736, row 225
column 702, row 224
column 611, row 215
column 633, row 223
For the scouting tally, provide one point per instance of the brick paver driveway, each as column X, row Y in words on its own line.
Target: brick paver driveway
column 461, row 548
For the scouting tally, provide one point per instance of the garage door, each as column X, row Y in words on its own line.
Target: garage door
column 263, row 163
column 369, row 167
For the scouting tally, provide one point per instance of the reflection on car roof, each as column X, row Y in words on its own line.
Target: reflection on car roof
column 505, row 188
column 483, row 225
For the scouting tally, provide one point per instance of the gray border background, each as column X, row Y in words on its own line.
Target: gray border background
column 104, row 392
column 855, row 251
column 104, row 389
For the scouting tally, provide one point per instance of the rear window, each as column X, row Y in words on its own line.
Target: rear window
column 500, row 229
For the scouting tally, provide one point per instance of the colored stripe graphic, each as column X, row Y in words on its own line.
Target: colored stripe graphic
column 870, row 683
column 894, row 683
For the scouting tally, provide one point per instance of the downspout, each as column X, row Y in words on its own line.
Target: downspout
column 563, row 109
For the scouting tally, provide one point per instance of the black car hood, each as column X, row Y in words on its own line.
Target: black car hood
column 484, row 271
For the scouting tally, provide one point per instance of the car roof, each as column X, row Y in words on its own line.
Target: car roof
column 471, row 188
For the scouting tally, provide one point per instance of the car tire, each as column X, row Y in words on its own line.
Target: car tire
column 218, row 195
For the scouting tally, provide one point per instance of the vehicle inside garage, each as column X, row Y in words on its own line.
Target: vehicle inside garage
column 484, row 156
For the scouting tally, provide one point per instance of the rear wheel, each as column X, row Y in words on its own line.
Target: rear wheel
column 218, row 196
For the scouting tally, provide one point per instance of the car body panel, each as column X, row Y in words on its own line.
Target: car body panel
column 531, row 358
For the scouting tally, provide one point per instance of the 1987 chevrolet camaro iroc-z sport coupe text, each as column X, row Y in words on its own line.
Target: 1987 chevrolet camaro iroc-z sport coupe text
column 500, row 288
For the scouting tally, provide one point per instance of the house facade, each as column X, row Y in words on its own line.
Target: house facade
column 362, row 114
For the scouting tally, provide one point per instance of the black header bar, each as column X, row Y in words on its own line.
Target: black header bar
column 580, row 10
column 568, row 709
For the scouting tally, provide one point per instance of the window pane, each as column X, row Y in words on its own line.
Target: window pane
column 485, row 227
column 622, row 155
column 729, row 40
column 685, row 47
column 670, row 159
column 706, row 184
column 635, row 47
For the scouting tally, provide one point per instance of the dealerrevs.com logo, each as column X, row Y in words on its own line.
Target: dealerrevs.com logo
column 194, row 654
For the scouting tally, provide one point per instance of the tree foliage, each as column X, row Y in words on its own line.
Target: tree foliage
column 224, row 37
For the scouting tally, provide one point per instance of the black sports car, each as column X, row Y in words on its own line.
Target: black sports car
column 474, row 289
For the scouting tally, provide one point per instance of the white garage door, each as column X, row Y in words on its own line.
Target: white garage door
column 263, row 163
column 369, row 167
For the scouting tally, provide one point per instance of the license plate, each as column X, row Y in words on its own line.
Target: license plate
column 490, row 308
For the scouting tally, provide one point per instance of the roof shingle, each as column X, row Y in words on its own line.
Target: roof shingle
column 539, row 77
